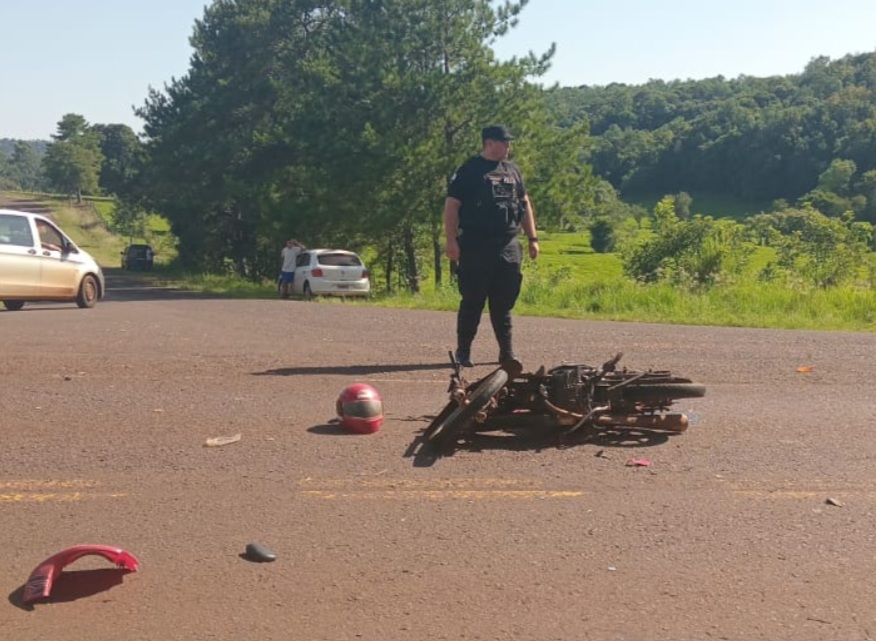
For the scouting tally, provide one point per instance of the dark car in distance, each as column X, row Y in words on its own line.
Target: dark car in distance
column 138, row 257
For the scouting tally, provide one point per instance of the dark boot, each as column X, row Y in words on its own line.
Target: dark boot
column 506, row 352
column 463, row 357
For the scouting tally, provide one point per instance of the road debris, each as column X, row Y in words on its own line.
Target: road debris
column 638, row 462
column 219, row 441
column 259, row 553
column 39, row 584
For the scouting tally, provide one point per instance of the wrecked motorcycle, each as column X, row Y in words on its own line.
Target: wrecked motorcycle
column 570, row 397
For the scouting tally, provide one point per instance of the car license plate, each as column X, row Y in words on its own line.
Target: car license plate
column 343, row 287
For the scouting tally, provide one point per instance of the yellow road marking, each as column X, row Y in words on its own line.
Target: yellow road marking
column 776, row 494
column 49, row 491
column 39, row 484
column 430, row 489
column 389, row 483
column 434, row 495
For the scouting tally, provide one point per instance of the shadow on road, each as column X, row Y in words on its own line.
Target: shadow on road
column 349, row 370
column 532, row 436
column 74, row 585
column 332, row 428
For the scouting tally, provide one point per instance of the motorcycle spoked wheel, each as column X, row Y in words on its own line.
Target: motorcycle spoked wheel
column 446, row 432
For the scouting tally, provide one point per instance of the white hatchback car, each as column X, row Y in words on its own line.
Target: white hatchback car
column 39, row 262
column 330, row 272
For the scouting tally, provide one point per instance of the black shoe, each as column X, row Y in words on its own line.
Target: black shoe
column 463, row 357
column 508, row 357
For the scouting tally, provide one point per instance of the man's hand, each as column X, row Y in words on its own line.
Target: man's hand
column 452, row 250
column 533, row 249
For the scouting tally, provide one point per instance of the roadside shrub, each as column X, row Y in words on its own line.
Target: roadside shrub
column 693, row 253
column 602, row 238
column 818, row 250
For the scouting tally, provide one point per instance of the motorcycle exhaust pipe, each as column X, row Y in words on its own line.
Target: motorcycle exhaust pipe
column 666, row 422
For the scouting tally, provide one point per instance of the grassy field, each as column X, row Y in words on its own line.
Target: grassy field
column 714, row 205
column 568, row 280
column 90, row 226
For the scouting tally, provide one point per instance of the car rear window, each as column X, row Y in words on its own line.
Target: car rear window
column 339, row 260
column 137, row 251
column 15, row 230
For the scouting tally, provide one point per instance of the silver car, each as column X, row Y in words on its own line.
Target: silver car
column 39, row 262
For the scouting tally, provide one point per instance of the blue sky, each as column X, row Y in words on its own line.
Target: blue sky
column 98, row 58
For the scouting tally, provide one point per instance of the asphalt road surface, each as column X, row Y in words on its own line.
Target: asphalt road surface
column 757, row 523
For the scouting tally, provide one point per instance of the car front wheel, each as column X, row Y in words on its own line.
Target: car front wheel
column 13, row 305
column 88, row 292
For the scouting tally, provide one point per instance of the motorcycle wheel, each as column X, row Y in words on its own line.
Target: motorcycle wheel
column 459, row 420
column 663, row 391
column 439, row 420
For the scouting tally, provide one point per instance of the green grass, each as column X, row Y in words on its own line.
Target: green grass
column 90, row 227
column 568, row 280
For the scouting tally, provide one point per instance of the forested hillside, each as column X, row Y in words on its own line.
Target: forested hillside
column 752, row 138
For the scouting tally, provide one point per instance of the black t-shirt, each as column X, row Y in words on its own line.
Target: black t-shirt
column 491, row 193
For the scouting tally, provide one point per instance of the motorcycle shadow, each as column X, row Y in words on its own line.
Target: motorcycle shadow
column 534, row 434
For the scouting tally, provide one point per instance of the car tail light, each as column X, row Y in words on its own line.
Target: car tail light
column 365, row 273
column 317, row 272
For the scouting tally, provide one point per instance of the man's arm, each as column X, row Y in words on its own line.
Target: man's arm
column 528, row 224
column 451, row 227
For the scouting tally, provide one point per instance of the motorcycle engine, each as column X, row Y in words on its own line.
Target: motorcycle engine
column 564, row 383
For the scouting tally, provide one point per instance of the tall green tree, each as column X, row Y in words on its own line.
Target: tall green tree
column 26, row 166
column 338, row 121
column 7, row 180
column 122, row 159
column 72, row 162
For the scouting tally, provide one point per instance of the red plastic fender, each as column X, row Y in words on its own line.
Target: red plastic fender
column 39, row 584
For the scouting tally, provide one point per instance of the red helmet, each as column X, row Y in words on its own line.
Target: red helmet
column 360, row 408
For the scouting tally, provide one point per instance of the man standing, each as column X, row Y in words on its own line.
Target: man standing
column 289, row 256
column 486, row 207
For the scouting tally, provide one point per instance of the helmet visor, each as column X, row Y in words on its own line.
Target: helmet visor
column 362, row 409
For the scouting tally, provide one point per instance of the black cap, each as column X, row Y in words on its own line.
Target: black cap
column 496, row 132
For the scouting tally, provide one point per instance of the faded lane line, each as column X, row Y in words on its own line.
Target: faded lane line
column 804, row 490
column 430, row 489
column 389, row 483
column 443, row 494
column 776, row 494
column 39, row 484
column 802, row 495
column 52, row 491
column 32, row 497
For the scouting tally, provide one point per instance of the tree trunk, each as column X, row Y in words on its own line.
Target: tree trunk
column 390, row 255
column 437, row 253
column 411, row 274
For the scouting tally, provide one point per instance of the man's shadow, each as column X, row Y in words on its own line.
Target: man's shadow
column 73, row 585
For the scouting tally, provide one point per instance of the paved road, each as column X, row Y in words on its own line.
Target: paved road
column 727, row 535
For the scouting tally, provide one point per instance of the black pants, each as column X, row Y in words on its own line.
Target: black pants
column 488, row 276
